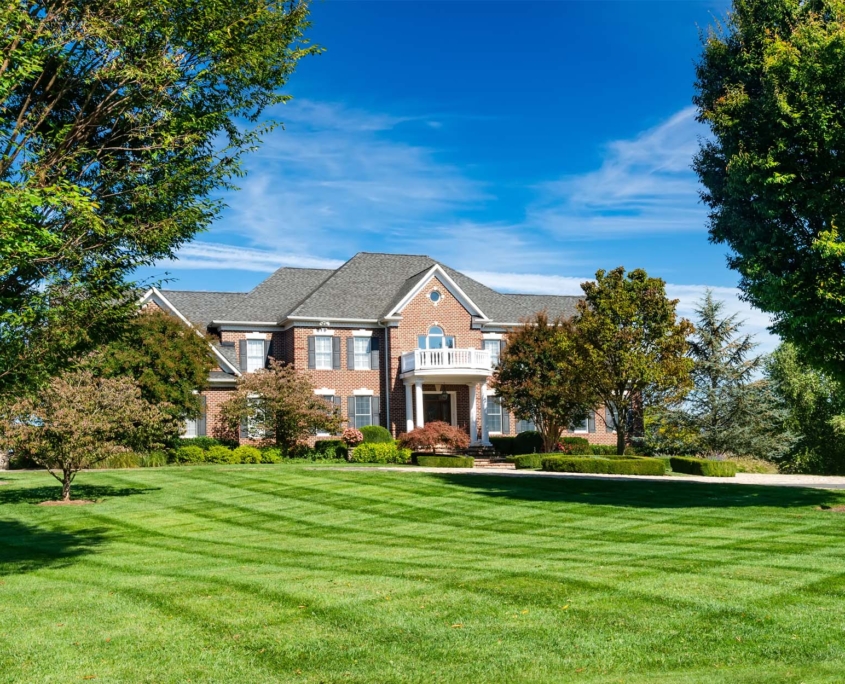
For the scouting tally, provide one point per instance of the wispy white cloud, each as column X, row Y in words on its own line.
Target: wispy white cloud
column 755, row 322
column 218, row 256
column 644, row 185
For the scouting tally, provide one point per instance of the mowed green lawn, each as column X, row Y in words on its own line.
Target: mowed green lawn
column 315, row 574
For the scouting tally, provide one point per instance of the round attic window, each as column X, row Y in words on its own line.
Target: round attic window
column 434, row 296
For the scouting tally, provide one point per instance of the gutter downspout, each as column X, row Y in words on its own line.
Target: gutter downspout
column 387, row 363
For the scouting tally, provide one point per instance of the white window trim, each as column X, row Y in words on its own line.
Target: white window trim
column 494, row 397
column 325, row 391
column 255, row 336
column 317, row 353
column 492, row 336
column 263, row 360
column 355, row 416
column 583, row 431
column 368, row 354
column 362, row 333
column 363, row 392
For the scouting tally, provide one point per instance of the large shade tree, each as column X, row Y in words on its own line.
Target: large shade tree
column 771, row 86
column 535, row 380
column 119, row 122
column 630, row 347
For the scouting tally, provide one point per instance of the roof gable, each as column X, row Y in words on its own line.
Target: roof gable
column 418, row 284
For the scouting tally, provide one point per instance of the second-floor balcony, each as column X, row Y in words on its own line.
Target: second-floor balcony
column 430, row 362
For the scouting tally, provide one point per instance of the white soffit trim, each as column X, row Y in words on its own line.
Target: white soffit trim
column 153, row 294
column 438, row 272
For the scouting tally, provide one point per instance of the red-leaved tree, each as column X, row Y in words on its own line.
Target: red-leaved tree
column 433, row 435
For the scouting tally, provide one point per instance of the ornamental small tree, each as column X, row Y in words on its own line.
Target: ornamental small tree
column 533, row 381
column 277, row 406
column 432, row 435
column 629, row 346
column 78, row 420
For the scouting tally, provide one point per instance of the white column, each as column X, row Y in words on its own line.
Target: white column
column 409, row 407
column 473, row 414
column 485, row 439
column 418, row 397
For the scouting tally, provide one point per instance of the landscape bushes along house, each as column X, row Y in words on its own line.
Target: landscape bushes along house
column 703, row 466
column 610, row 466
column 432, row 461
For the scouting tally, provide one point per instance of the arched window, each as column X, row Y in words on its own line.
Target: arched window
column 436, row 339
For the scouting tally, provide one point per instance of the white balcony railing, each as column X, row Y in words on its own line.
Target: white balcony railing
column 446, row 359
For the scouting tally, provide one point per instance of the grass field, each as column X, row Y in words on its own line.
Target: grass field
column 309, row 574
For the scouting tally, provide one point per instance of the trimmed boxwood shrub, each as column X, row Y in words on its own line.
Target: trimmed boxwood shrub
column 702, row 466
column 603, row 449
column 504, row 446
column 377, row 452
column 271, row 455
column 575, row 446
column 246, row 454
column 529, row 461
column 190, row 454
column 528, row 442
column 201, row 442
column 616, row 466
column 219, row 454
column 445, row 461
column 376, row 434
column 331, row 448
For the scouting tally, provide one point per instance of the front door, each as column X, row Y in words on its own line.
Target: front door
column 437, row 407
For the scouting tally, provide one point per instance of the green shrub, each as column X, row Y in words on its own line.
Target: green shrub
column 153, row 459
column 603, row 449
column 271, row 455
column 616, row 466
column 246, row 454
column 201, row 442
column 376, row 434
column 330, row 449
column 219, row 454
column 376, row 452
column 528, row 461
column 445, row 461
column 575, row 446
column 128, row 459
column 528, row 442
column 702, row 466
column 504, row 446
column 190, row 454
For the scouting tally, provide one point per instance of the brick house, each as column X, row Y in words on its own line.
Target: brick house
column 394, row 340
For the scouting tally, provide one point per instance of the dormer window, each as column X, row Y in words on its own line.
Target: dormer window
column 436, row 339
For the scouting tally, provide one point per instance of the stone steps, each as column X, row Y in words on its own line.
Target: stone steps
column 498, row 464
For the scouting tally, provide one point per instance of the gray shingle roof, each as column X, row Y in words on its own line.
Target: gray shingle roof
column 201, row 307
column 366, row 287
column 274, row 298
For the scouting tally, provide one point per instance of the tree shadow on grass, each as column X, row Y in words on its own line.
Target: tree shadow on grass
column 9, row 494
column 644, row 493
column 25, row 548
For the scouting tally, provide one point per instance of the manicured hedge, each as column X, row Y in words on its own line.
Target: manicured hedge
column 504, row 446
column 327, row 448
column 190, row 454
column 616, row 466
column 702, row 466
column 529, row 461
column 377, row 452
column 445, row 461
column 376, row 434
column 246, row 454
column 603, row 449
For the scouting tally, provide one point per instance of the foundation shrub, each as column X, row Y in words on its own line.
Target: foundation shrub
column 703, row 466
column 153, row 459
column 429, row 461
column 246, row 454
column 271, row 455
column 332, row 448
column 190, row 454
column 376, row 434
column 379, row 452
column 603, row 449
column 219, row 454
column 431, row 436
column 528, row 442
column 529, row 461
column 201, row 442
column 574, row 446
column 504, row 446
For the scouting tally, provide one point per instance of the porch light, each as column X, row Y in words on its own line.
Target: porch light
column 444, row 396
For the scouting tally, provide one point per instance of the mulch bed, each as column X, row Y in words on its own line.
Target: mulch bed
column 72, row 502
column 833, row 509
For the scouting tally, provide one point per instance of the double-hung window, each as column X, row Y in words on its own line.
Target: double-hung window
column 363, row 411
column 494, row 347
column 254, row 355
column 363, row 353
column 525, row 426
column 190, row 428
column 494, row 414
column 323, row 352
column 329, row 399
column 581, row 425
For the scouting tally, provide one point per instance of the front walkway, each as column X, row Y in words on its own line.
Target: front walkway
column 811, row 481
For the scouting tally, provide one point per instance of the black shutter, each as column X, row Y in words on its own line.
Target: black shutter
column 267, row 345
column 312, row 352
column 374, row 354
column 350, row 353
column 609, row 424
column 242, row 359
column 591, row 422
column 201, row 421
column 244, row 433
column 350, row 411
column 375, row 405
column 506, row 421
column 336, row 353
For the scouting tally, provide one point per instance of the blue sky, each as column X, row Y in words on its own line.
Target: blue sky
column 525, row 143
